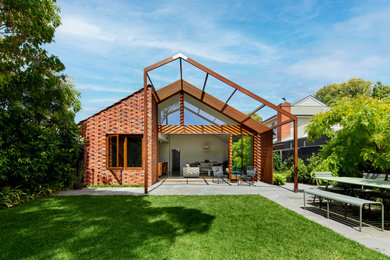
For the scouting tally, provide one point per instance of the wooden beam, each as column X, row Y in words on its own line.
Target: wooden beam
column 282, row 123
column 296, row 155
column 145, row 150
column 169, row 90
column 158, row 64
column 204, row 85
column 147, row 74
column 153, row 89
column 243, row 90
column 181, row 107
column 228, row 100
column 181, row 75
column 230, row 156
column 155, row 96
column 254, row 111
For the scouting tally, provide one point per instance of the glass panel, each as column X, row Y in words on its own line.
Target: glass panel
column 134, row 151
column 112, row 149
column 121, row 153
column 193, row 118
column 169, row 111
column 242, row 153
column 198, row 113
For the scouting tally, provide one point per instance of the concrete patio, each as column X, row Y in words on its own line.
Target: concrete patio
column 371, row 236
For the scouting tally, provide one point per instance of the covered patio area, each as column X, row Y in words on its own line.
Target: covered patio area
column 198, row 129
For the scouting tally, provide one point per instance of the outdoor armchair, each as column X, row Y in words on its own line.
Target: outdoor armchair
column 250, row 174
column 218, row 172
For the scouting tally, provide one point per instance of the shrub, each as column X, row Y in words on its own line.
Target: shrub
column 279, row 165
column 279, row 179
column 318, row 164
column 313, row 164
column 304, row 175
column 12, row 196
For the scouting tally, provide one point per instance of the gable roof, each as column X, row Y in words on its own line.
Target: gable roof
column 309, row 100
column 307, row 106
column 218, row 105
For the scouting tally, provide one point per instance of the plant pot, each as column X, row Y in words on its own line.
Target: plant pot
column 78, row 185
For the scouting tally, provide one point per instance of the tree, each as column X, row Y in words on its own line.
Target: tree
column 256, row 117
column 363, row 139
column 381, row 91
column 353, row 88
column 242, row 152
column 39, row 138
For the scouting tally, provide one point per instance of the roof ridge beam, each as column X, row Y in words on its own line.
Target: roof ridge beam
column 243, row 90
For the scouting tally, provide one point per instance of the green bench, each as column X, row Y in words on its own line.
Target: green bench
column 344, row 199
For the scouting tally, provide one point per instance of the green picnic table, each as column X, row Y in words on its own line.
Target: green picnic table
column 358, row 181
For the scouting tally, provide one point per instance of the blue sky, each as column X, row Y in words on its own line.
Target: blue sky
column 273, row 48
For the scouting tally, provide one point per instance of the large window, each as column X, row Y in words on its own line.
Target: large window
column 124, row 151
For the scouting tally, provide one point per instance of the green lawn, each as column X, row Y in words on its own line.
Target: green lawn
column 166, row 227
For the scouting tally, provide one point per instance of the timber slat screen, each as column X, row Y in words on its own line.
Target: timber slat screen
column 203, row 129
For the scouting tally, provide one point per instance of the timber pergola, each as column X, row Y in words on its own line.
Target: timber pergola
column 181, row 86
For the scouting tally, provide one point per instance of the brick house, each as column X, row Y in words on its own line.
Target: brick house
column 304, row 109
column 177, row 125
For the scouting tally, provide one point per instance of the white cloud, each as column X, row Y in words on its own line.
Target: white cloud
column 103, row 89
column 81, row 28
column 209, row 42
column 335, row 68
column 356, row 47
column 103, row 100
column 368, row 25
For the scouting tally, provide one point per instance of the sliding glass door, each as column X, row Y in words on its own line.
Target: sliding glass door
column 242, row 154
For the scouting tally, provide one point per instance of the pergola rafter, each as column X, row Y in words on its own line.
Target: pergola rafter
column 236, row 87
column 282, row 123
column 204, row 85
column 253, row 112
column 234, row 91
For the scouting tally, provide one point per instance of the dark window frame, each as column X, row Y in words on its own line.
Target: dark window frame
column 108, row 136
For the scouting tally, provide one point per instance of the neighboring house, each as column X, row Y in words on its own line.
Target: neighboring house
column 184, row 126
column 304, row 110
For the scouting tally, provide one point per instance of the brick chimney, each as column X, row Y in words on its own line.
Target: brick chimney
column 284, row 130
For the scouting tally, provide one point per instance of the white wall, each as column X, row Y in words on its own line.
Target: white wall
column 191, row 148
column 302, row 123
column 163, row 152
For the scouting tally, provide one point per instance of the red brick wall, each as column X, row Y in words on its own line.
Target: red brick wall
column 124, row 117
column 284, row 130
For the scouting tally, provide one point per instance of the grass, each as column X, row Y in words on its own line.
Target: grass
column 167, row 227
column 113, row 186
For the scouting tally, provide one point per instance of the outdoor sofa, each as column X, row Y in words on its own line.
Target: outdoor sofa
column 190, row 172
